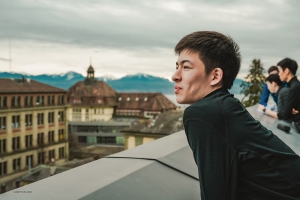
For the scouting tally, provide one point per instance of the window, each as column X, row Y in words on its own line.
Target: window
column 3, row 168
column 40, row 118
column 77, row 101
column 15, row 143
column 61, row 116
column 51, row 117
column 50, row 136
column 82, row 139
column 15, row 122
column 16, row 164
column 138, row 141
column 3, row 146
column 18, row 99
column 28, row 101
column 28, row 120
column 2, row 123
column 76, row 111
column 106, row 140
column 15, row 101
column 3, row 102
column 29, row 161
column 61, row 99
column 61, row 152
column 40, row 138
column 28, row 141
column 51, row 100
column 77, row 114
column 39, row 100
column 51, row 155
column 61, row 134
column 41, row 157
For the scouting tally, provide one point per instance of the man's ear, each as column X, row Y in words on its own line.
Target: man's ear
column 286, row 71
column 217, row 75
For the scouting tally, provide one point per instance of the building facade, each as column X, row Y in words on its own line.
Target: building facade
column 33, row 128
column 98, row 113
column 91, row 100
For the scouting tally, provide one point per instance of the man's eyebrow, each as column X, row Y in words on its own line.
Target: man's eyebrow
column 183, row 61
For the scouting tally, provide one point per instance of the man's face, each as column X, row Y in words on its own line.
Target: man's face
column 191, row 81
column 282, row 74
column 271, row 87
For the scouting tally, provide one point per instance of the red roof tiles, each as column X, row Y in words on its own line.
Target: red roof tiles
column 26, row 86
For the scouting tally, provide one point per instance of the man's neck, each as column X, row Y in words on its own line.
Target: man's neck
column 289, row 78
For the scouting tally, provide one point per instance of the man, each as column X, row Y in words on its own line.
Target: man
column 237, row 157
column 287, row 71
column 275, row 86
column 266, row 93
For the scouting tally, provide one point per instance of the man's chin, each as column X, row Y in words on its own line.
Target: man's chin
column 181, row 100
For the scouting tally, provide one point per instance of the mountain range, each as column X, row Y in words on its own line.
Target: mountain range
column 130, row 83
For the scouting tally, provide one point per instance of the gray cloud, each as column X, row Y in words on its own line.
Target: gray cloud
column 4, row 59
column 264, row 29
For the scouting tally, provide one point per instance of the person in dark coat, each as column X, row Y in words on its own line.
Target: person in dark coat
column 237, row 157
column 287, row 72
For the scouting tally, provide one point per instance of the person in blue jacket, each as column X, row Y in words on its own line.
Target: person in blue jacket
column 266, row 92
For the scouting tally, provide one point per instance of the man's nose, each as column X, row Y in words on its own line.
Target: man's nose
column 176, row 77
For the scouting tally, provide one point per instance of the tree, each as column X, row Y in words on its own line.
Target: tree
column 253, row 85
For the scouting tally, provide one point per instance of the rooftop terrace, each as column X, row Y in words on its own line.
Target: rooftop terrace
column 162, row 169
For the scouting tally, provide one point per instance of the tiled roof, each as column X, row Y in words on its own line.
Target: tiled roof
column 166, row 123
column 144, row 101
column 26, row 86
column 89, row 93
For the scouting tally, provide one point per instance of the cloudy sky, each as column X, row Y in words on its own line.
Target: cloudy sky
column 128, row 37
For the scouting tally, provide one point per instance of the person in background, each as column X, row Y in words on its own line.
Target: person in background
column 276, row 87
column 287, row 72
column 266, row 93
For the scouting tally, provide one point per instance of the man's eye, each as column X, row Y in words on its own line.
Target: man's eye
column 185, row 67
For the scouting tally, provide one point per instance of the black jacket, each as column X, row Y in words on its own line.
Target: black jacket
column 237, row 157
column 292, row 101
column 281, row 95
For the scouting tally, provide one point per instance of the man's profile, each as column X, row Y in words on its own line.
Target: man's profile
column 237, row 157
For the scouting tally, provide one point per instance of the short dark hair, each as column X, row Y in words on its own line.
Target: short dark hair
column 215, row 51
column 290, row 64
column 272, row 68
column 274, row 78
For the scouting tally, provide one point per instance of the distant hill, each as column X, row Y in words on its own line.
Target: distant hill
column 142, row 82
column 130, row 83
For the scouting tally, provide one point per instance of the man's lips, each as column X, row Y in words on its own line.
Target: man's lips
column 176, row 89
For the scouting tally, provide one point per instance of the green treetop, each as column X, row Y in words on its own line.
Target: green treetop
column 253, row 85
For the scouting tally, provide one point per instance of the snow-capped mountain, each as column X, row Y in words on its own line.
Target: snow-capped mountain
column 131, row 83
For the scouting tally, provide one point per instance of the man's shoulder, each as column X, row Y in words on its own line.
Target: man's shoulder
column 211, row 106
column 284, row 90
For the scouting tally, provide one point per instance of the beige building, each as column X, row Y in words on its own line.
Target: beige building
column 33, row 128
column 91, row 100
